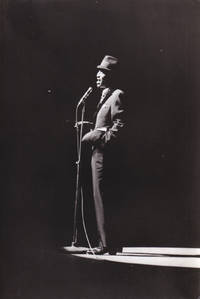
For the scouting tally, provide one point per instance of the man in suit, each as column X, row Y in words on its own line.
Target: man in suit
column 108, row 125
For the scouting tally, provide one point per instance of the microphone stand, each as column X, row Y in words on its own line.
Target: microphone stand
column 79, row 134
column 78, row 143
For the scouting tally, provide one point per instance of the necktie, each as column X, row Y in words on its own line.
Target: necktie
column 101, row 101
column 104, row 94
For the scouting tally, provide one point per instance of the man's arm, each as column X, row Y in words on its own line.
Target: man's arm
column 104, row 135
column 117, row 118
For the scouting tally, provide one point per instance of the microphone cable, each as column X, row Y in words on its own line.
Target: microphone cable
column 84, row 225
column 79, row 150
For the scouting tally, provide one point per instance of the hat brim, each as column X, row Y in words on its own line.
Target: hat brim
column 103, row 68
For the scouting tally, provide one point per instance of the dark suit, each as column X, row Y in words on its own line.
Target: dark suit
column 108, row 124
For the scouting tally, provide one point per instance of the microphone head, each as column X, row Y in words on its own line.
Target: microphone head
column 90, row 89
column 88, row 92
column 85, row 96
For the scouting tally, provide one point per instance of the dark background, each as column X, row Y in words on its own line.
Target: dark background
column 49, row 53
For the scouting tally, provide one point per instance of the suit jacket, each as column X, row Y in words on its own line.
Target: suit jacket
column 109, row 120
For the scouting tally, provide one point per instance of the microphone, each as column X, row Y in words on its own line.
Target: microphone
column 85, row 96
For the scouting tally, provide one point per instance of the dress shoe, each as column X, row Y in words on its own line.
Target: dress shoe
column 98, row 250
column 74, row 249
column 103, row 250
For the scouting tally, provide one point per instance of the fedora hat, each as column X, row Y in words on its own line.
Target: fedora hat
column 108, row 63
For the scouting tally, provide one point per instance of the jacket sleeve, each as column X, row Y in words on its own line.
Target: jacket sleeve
column 117, row 119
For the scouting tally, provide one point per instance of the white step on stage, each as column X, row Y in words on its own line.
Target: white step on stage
column 163, row 250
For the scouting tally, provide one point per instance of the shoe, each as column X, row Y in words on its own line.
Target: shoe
column 104, row 250
column 98, row 250
column 74, row 249
column 114, row 250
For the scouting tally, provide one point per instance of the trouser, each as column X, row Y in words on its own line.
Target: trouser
column 97, row 164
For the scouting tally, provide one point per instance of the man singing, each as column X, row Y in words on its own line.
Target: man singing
column 108, row 125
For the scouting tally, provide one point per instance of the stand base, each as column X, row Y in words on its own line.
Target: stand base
column 75, row 249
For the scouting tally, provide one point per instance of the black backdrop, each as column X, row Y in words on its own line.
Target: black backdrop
column 49, row 51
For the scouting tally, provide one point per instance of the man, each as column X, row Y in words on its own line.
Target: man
column 108, row 124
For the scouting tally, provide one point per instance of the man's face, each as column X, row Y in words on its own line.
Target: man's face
column 101, row 79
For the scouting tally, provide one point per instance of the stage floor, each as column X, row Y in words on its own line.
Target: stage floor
column 30, row 272
column 163, row 256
